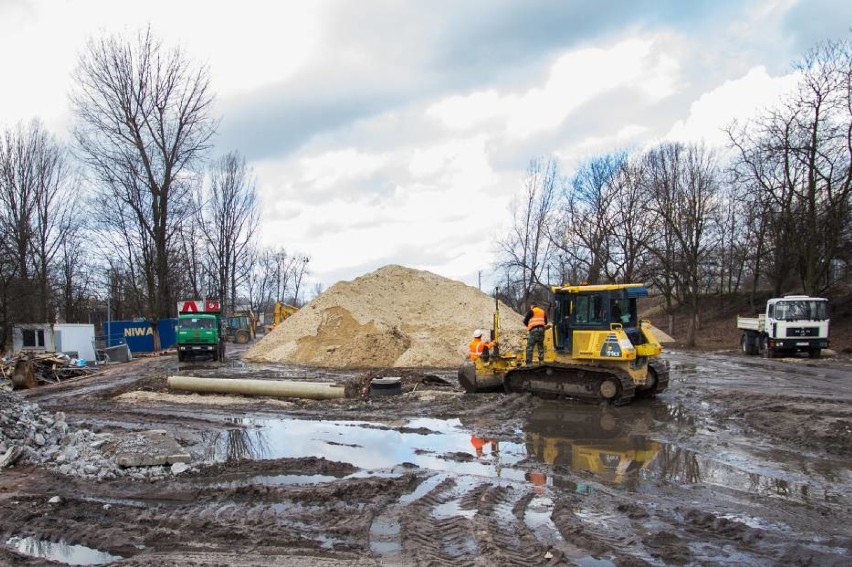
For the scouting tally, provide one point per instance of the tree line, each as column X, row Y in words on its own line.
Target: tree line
column 134, row 213
column 769, row 211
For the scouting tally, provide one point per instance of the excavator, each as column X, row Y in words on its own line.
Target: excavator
column 596, row 350
column 281, row 312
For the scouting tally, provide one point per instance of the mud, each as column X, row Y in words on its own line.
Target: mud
column 743, row 461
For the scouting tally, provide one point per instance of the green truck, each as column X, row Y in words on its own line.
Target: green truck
column 200, row 330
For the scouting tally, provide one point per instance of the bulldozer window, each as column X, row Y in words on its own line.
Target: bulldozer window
column 619, row 311
column 589, row 309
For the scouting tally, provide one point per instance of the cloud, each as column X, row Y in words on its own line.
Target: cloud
column 738, row 99
column 399, row 132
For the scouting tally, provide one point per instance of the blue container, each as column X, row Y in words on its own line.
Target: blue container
column 138, row 334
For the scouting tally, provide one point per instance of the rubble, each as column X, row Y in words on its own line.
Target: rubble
column 29, row 435
column 27, row 370
column 393, row 317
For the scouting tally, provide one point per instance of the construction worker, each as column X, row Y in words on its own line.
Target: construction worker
column 535, row 320
column 479, row 444
column 477, row 345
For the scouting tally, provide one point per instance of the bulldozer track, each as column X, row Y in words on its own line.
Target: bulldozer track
column 660, row 374
column 570, row 381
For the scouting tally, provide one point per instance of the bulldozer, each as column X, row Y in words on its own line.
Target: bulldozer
column 596, row 349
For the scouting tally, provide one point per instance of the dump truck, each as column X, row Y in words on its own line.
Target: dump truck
column 789, row 324
column 596, row 350
column 200, row 330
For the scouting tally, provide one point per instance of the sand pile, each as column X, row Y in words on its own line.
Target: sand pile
column 393, row 317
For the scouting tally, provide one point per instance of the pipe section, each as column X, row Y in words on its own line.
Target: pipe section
column 275, row 388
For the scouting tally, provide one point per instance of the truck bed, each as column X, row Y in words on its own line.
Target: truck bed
column 751, row 323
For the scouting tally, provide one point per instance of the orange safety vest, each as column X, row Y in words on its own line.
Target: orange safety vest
column 476, row 347
column 538, row 319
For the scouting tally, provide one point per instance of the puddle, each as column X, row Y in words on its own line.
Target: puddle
column 579, row 446
column 60, row 551
column 618, row 447
column 278, row 480
column 428, row 443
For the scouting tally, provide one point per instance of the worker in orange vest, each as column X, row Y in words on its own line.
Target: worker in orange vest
column 480, row 442
column 477, row 345
column 535, row 320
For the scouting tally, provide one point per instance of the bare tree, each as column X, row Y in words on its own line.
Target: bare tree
column 798, row 159
column 199, row 275
column 587, row 220
column 300, row 270
column 75, row 278
column 259, row 284
column 683, row 189
column 142, row 123
column 37, row 198
column 524, row 253
column 631, row 228
column 231, row 216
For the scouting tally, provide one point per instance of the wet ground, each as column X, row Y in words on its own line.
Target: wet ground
column 743, row 461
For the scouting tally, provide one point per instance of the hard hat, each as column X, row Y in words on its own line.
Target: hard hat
column 477, row 333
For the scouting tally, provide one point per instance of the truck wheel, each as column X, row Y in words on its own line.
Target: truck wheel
column 747, row 345
column 241, row 338
column 181, row 356
column 814, row 353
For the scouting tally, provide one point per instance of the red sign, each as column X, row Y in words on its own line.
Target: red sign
column 196, row 306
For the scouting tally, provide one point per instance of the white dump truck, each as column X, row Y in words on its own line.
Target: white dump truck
column 790, row 324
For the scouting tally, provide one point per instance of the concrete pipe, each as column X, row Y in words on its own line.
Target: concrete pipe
column 275, row 388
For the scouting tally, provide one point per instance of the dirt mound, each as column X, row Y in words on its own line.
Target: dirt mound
column 393, row 317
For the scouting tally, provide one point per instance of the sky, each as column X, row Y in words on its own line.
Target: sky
column 389, row 132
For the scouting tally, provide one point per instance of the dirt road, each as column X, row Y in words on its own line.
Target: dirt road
column 744, row 461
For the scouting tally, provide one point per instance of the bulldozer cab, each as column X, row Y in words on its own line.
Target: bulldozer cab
column 594, row 308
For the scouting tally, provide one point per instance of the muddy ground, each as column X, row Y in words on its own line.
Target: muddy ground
column 743, row 461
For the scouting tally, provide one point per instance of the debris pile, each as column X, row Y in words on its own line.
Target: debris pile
column 31, row 435
column 29, row 370
column 393, row 317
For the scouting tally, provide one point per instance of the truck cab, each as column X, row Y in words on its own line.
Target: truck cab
column 200, row 331
column 789, row 324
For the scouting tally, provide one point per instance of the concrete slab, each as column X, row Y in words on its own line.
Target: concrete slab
column 149, row 449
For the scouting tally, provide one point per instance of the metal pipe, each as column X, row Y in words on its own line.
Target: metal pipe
column 275, row 388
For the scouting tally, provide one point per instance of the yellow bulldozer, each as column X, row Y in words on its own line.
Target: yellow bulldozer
column 596, row 350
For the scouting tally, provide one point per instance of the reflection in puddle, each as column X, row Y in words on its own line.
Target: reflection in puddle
column 613, row 447
column 368, row 446
column 278, row 480
column 61, row 551
column 616, row 448
column 579, row 446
